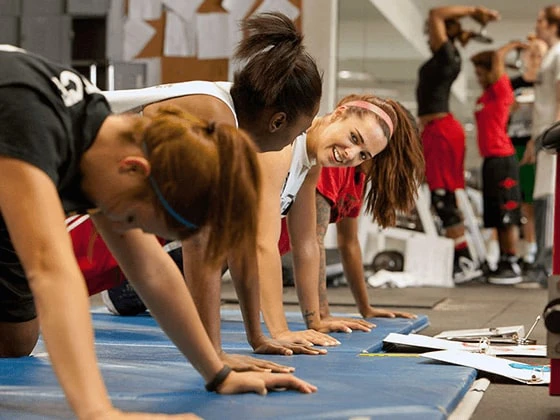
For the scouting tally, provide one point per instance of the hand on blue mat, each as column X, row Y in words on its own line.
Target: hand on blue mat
column 344, row 324
column 308, row 338
column 372, row 312
column 284, row 348
column 262, row 382
column 243, row 363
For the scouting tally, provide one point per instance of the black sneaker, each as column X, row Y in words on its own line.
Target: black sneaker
column 123, row 300
column 508, row 272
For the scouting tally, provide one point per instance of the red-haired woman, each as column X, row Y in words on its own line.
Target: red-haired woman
column 61, row 150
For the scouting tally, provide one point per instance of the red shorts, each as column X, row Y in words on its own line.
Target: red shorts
column 99, row 267
column 443, row 140
column 96, row 262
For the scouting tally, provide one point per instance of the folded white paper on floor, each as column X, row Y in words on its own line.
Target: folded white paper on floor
column 521, row 372
column 426, row 342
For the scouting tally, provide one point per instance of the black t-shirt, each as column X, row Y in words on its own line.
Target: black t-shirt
column 435, row 78
column 49, row 116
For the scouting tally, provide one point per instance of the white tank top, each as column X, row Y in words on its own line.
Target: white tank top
column 134, row 100
column 300, row 166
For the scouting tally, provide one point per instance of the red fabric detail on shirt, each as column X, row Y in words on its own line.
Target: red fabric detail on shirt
column 492, row 114
column 343, row 188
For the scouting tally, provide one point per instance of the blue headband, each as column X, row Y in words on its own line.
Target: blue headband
column 165, row 203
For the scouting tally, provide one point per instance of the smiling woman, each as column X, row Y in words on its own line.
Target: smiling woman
column 366, row 130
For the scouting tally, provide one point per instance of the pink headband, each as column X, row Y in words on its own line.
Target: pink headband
column 376, row 110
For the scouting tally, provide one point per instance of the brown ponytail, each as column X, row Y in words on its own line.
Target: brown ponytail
column 208, row 174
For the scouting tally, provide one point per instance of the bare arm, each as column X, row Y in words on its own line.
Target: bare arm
column 323, row 218
column 438, row 16
column 305, row 249
column 45, row 250
column 275, row 167
column 147, row 266
column 498, row 59
column 351, row 256
column 204, row 282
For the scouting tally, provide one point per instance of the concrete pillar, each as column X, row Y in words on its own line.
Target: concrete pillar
column 320, row 29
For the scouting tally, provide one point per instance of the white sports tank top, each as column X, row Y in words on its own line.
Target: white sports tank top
column 133, row 100
column 298, row 171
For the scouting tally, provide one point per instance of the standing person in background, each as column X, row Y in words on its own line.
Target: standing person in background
column 519, row 130
column 443, row 136
column 500, row 169
column 546, row 111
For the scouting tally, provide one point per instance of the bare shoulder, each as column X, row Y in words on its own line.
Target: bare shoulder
column 206, row 107
column 275, row 165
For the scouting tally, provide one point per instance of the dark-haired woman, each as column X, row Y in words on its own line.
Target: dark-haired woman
column 443, row 136
column 61, row 150
column 274, row 97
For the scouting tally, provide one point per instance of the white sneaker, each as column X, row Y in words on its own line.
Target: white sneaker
column 466, row 270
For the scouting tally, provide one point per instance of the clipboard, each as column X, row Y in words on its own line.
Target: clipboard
column 499, row 335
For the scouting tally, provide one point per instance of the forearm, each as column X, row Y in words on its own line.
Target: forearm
column 323, row 217
column 271, row 288
column 306, row 275
column 63, row 311
column 174, row 309
column 352, row 264
column 323, row 295
column 161, row 286
column 244, row 272
column 204, row 283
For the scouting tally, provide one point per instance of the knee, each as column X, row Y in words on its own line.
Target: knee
column 446, row 208
column 18, row 339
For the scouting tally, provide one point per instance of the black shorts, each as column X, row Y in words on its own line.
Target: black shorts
column 501, row 191
column 16, row 300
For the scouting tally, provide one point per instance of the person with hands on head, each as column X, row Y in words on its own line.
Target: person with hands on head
column 443, row 137
column 500, row 170
column 274, row 97
column 61, row 151
column 363, row 128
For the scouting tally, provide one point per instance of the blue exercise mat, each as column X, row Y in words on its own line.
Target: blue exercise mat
column 144, row 371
